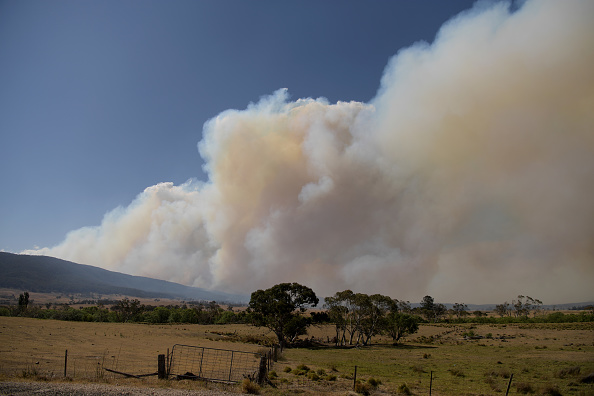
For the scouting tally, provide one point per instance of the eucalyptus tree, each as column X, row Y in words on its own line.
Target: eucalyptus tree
column 280, row 309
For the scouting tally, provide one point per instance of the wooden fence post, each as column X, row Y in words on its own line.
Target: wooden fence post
column 509, row 384
column 65, row 362
column 430, row 383
column 161, row 367
column 168, row 366
column 262, row 370
column 355, row 379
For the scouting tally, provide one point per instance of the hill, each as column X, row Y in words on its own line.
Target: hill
column 45, row 274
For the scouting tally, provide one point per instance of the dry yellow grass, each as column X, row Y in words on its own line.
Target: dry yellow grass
column 38, row 346
column 536, row 355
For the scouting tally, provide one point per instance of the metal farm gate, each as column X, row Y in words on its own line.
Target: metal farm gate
column 194, row 362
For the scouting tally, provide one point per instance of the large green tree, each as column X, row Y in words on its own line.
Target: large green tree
column 280, row 309
column 400, row 325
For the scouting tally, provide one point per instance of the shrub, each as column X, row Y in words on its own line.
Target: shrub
column 330, row 377
column 321, row 372
column 332, row 367
column 287, row 369
column 303, row 367
column 249, row 387
column 313, row 376
column 373, row 382
column 272, row 374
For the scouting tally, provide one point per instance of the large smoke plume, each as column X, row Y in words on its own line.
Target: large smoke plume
column 469, row 177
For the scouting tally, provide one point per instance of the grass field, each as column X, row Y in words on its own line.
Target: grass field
column 543, row 359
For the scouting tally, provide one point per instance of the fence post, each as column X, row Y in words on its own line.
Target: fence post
column 201, row 359
column 168, row 365
column 509, row 384
column 355, row 379
column 161, row 367
column 65, row 362
column 430, row 383
column 231, row 366
column 262, row 370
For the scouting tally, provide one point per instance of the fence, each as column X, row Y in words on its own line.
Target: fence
column 194, row 362
column 442, row 382
column 88, row 365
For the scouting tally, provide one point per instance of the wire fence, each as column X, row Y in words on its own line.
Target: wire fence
column 88, row 366
column 501, row 382
column 573, row 381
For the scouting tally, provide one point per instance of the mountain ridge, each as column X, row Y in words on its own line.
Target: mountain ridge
column 51, row 274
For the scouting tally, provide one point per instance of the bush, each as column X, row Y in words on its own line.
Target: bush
column 272, row 374
column 330, row 377
column 313, row 376
column 303, row 367
column 249, row 387
column 287, row 369
column 373, row 382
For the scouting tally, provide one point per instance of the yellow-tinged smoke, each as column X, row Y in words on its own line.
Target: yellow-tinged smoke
column 469, row 177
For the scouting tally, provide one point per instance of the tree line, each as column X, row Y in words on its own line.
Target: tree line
column 126, row 310
column 287, row 309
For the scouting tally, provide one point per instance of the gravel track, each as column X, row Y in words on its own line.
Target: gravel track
column 74, row 389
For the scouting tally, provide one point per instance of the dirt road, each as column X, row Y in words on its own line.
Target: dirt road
column 81, row 389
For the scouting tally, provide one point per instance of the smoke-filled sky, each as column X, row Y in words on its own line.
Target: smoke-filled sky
column 402, row 148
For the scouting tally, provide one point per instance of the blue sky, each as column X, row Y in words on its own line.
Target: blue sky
column 101, row 99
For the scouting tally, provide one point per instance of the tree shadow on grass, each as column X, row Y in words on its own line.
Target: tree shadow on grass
column 318, row 346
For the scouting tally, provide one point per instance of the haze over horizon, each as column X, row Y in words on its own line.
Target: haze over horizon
column 467, row 176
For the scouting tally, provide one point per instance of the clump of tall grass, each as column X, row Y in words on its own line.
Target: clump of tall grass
column 403, row 389
column 551, row 390
column 456, row 372
column 249, row 387
column 568, row 371
column 524, row 388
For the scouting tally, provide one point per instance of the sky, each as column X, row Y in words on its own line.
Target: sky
column 404, row 148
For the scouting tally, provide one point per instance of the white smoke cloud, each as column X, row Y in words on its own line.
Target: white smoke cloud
column 468, row 177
